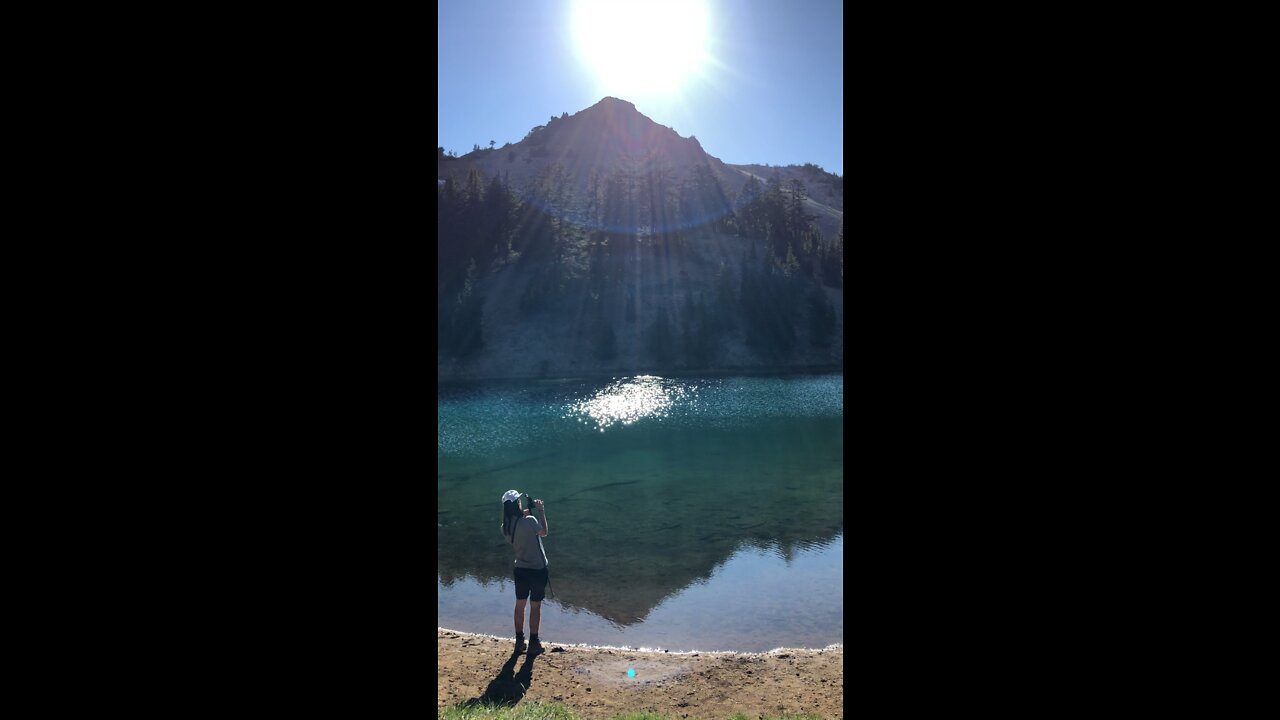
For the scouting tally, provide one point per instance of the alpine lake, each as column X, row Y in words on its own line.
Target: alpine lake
column 683, row 513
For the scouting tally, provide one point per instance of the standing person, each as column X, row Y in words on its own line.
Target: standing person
column 525, row 533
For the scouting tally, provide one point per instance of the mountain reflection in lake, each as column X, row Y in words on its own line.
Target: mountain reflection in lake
column 683, row 513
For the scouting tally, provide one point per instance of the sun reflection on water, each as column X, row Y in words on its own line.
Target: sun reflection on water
column 630, row 399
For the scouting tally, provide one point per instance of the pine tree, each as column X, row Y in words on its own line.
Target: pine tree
column 790, row 265
column 466, row 326
column 822, row 318
column 748, row 213
column 833, row 260
column 499, row 221
column 594, row 199
column 724, row 299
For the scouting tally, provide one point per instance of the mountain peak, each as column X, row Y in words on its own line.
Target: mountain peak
column 610, row 134
column 610, row 100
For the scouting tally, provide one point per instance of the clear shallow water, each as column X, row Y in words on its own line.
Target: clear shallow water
column 737, row 608
column 683, row 513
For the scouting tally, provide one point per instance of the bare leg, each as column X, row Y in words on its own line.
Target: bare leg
column 535, row 616
column 520, row 616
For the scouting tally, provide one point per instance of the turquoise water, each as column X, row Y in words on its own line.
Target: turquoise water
column 683, row 513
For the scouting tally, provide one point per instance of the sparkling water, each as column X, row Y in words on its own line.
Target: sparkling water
column 683, row 514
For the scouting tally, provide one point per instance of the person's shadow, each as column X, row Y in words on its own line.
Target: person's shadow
column 509, row 687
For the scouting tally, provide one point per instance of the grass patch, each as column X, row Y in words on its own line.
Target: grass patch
column 553, row 711
column 530, row 711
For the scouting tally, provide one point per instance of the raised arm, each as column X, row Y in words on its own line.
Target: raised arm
column 542, row 517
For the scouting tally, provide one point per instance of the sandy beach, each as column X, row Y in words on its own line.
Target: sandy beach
column 595, row 681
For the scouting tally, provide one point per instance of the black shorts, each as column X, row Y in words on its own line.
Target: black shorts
column 530, row 583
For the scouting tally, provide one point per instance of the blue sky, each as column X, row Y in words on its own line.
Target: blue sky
column 769, row 87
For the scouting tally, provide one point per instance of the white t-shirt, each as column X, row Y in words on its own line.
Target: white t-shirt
column 529, row 552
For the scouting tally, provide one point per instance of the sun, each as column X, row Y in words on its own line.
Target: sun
column 641, row 48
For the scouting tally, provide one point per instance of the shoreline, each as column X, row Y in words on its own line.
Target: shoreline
column 833, row 647
column 603, row 681
column 779, row 371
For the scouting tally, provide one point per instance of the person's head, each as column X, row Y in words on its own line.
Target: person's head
column 511, row 512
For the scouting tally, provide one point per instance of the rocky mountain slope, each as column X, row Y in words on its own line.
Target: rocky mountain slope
column 604, row 243
column 606, row 135
column 614, row 132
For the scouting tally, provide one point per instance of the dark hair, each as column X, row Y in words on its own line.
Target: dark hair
column 510, row 515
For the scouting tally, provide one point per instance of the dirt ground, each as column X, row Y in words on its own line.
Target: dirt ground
column 595, row 681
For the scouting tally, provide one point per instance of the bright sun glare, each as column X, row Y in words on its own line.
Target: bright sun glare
column 641, row 48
